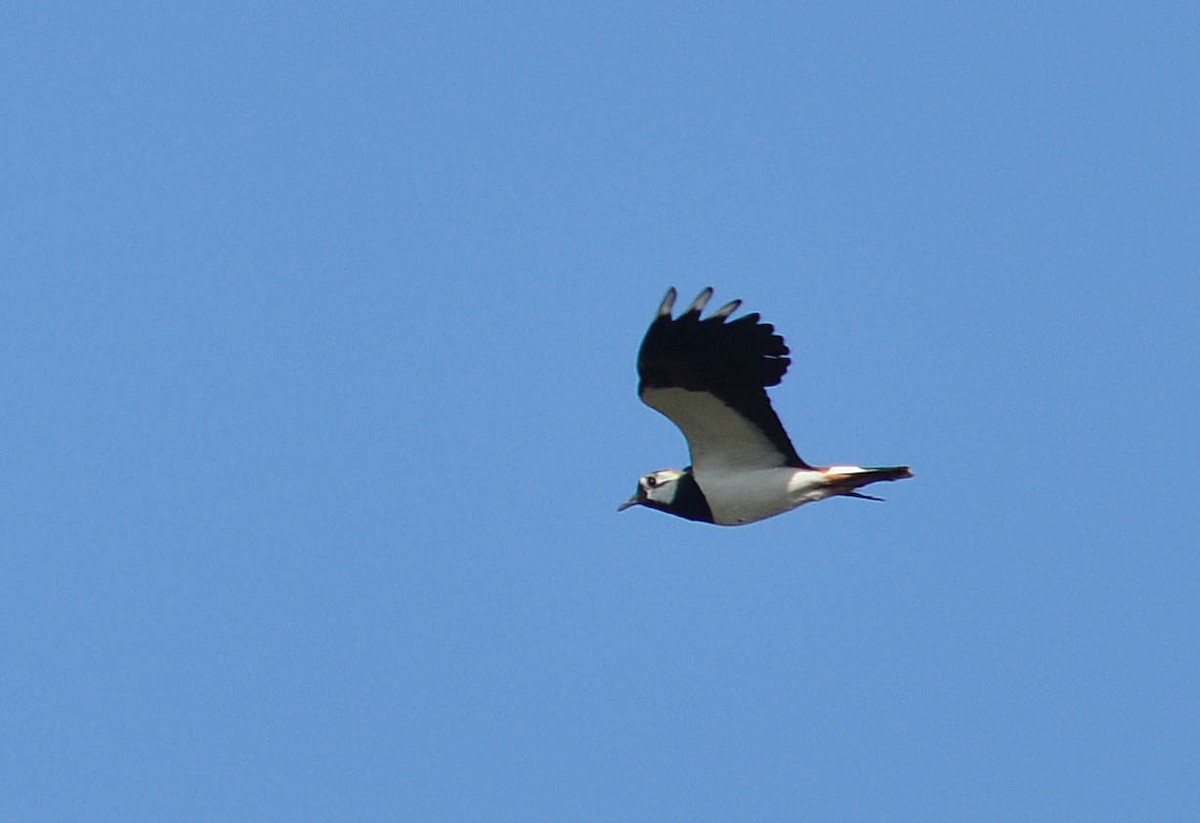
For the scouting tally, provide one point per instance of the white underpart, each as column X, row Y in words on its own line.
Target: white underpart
column 743, row 475
column 744, row 497
column 721, row 440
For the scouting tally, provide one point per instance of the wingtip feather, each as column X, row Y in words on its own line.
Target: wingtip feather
column 727, row 309
column 700, row 302
column 668, row 303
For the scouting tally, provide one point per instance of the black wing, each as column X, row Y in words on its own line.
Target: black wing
column 710, row 378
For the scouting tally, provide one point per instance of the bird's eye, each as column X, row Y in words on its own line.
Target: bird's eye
column 651, row 481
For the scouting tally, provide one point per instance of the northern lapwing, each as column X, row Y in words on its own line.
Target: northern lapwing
column 710, row 377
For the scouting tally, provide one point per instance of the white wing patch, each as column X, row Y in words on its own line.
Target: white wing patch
column 720, row 439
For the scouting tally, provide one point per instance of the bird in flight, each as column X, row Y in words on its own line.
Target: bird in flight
column 710, row 378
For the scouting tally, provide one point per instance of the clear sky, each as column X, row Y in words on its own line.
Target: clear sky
column 318, row 328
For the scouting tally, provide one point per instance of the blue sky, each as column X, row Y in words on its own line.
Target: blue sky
column 318, row 329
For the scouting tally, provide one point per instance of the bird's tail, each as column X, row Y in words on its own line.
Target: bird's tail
column 846, row 480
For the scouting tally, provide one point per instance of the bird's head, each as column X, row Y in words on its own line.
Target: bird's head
column 656, row 490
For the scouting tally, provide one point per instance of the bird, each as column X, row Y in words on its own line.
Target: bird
column 710, row 378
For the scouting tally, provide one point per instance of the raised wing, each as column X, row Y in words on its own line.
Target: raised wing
column 710, row 378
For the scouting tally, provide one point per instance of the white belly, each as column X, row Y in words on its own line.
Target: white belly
column 746, row 496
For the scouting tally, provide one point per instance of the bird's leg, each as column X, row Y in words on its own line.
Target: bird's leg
column 862, row 496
